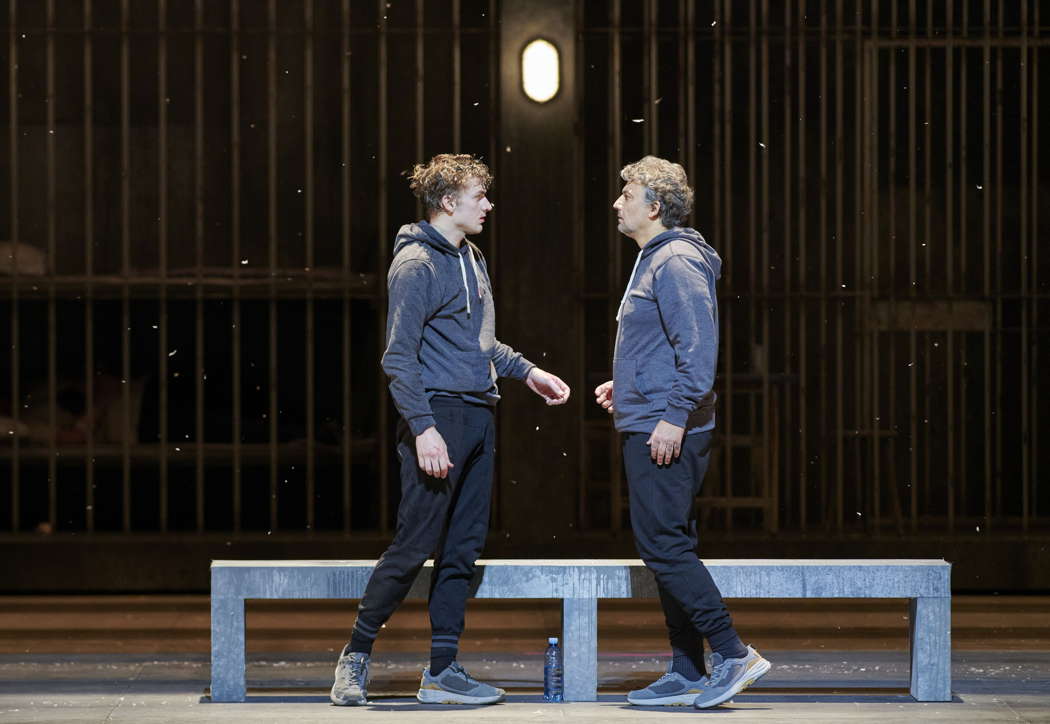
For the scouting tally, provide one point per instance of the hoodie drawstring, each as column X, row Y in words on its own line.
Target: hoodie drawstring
column 463, row 268
column 628, row 289
column 477, row 276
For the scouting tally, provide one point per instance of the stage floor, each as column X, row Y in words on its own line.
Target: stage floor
column 144, row 658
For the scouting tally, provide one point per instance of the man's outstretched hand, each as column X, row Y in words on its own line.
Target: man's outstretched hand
column 603, row 395
column 549, row 387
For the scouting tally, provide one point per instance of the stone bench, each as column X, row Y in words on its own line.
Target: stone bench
column 580, row 583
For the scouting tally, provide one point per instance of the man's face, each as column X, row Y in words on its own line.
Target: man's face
column 632, row 211
column 470, row 207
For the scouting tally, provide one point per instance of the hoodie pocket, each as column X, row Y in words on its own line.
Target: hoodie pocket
column 625, row 387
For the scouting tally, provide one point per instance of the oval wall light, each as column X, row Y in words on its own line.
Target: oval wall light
column 540, row 74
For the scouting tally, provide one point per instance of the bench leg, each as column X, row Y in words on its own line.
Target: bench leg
column 227, row 649
column 931, row 648
column 580, row 648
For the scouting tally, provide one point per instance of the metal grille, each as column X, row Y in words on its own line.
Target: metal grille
column 197, row 199
column 198, row 220
column 872, row 176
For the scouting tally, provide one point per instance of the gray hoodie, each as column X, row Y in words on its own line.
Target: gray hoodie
column 667, row 340
column 441, row 322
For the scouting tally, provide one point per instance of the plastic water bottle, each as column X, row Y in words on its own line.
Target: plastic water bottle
column 553, row 687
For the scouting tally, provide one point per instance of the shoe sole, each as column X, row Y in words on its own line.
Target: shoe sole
column 438, row 696
column 760, row 670
column 352, row 701
column 676, row 700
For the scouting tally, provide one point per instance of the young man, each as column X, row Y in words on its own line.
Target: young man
column 443, row 359
column 662, row 400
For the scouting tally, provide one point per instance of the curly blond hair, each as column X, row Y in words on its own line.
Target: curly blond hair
column 446, row 174
column 666, row 182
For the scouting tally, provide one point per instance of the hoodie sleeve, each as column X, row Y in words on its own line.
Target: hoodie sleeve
column 684, row 297
column 509, row 363
column 412, row 287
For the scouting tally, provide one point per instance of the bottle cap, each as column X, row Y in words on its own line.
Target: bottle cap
column 552, row 640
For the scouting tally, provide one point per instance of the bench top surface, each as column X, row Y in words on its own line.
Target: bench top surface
column 597, row 563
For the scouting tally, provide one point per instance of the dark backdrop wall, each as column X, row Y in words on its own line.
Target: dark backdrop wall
column 198, row 199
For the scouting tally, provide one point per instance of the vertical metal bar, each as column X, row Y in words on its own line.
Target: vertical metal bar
column 457, row 78
column 381, row 256
column 773, row 464
column 420, row 98
column 859, row 284
column 690, row 95
column 652, row 83
column 870, row 280
column 1026, row 447
column 786, row 267
column 986, row 249
column 725, row 118
column 998, row 288
column 894, row 291
column 1033, row 285
column 949, row 242
column 802, row 316
column 763, row 298
column 913, row 238
column 822, row 235
column 125, row 246
column 840, row 472
column 308, row 187
column 52, row 333
column 579, row 258
column 271, row 168
column 162, row 238
column 494, row 51
column 718, row 230
column 964, row 236
column 198, row 235
column 344, row 203
column 89, row 264
column 16, row 393
column 235, row 243
column 682, row 71
column 615, row 244
column 927, row 243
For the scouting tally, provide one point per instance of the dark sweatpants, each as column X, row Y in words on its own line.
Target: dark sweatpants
column 664, row 524
column 445, row 518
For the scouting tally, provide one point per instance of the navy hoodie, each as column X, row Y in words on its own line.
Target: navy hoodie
column 667, row 340
column 441, row 322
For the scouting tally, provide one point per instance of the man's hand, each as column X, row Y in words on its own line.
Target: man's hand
column 432, row 453
column 603, row 395
column 665, row 444
column 548, row 386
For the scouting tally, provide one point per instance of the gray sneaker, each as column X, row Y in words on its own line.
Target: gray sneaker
column 731, row 676
column 351, row 679
column 671, row 689
column 455, row 686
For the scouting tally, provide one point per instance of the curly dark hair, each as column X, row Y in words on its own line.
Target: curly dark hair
column 665, row 182
column 446, row 174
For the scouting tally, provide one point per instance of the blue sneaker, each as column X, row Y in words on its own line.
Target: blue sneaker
column 455, row 686
column 671, row 689
column 731, row 676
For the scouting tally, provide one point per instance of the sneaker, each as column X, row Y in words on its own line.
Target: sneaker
column 455, row 686
column 671, row 689
column 731, row 676
column 351, row 679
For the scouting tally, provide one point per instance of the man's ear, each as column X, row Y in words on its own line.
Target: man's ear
column 448, row 203
column 654, row 211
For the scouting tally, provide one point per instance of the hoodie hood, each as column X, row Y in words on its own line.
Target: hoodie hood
column 423, row 232
column 693, row 237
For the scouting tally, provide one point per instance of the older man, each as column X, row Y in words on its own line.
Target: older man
column 662, row 399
